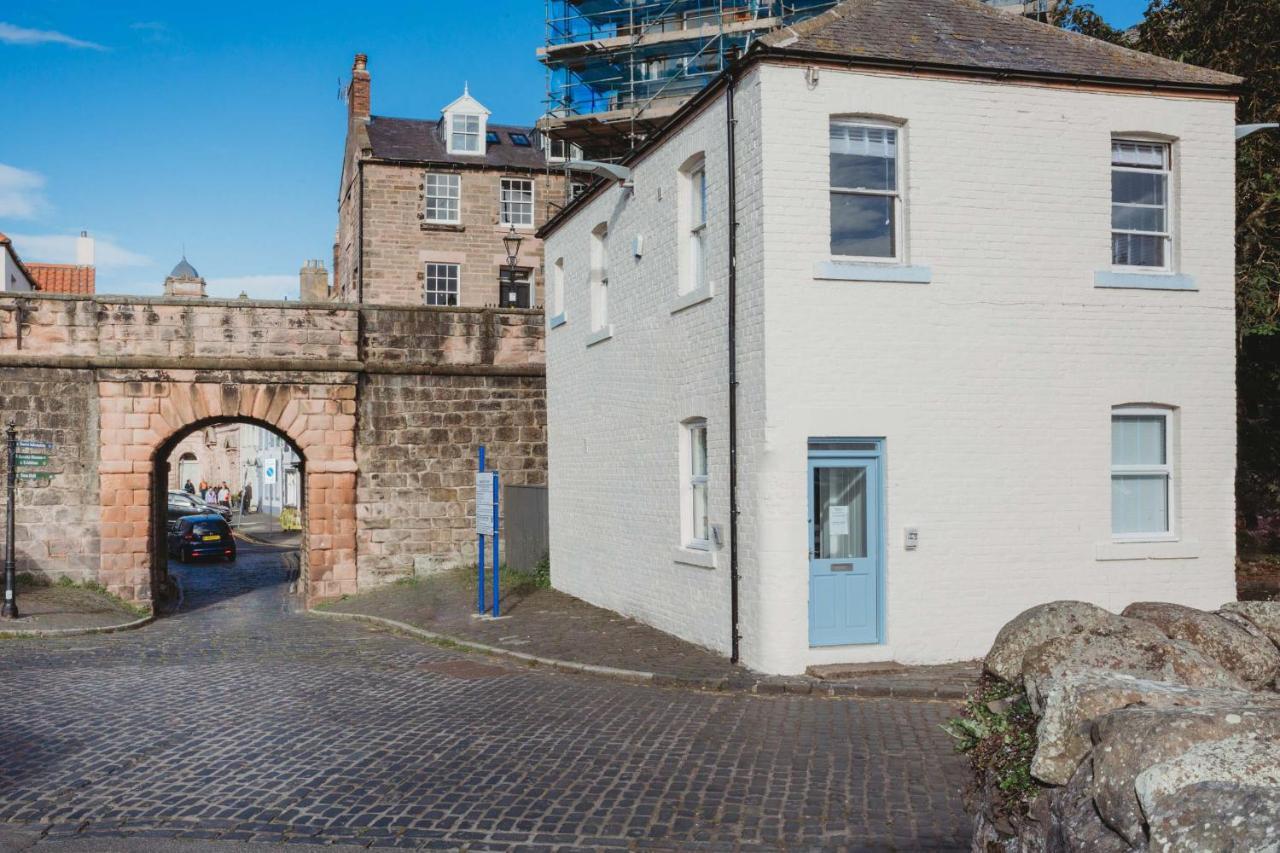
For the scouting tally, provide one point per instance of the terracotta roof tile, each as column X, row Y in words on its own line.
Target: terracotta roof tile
column 63, row 278
column 967, row 34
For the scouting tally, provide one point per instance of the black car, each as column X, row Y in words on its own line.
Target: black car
column 196, row 536
column 182, row 504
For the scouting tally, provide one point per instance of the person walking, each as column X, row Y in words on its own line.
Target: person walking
column 204, row 489
column 188, row 488
column 224, row 494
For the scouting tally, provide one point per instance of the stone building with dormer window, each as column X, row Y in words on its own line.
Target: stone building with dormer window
column 424, row 206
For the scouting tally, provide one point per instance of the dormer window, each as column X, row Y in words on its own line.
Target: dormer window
column 464, row 134
column 464, row 126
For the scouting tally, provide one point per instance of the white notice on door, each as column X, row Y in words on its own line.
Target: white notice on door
column 838, row 521
column 484, row 504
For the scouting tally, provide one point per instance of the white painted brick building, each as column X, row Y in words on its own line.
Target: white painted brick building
column 973, row 344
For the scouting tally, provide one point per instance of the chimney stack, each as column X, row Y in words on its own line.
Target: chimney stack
column 358, row 91
column 84, row 250
column 313, row 282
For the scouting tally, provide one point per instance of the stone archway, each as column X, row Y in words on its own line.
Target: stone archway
column 140, row 419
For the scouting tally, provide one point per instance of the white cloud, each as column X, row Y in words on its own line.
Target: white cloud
column 21, row 193
column 10, row 34
column 255, row 287
column 61, row 249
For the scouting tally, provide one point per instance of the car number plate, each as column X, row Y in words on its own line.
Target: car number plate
column 212, row 538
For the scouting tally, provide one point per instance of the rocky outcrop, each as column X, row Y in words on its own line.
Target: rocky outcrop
column 1264, row 615
column 1244, row 651
column 1132, row 740
column 1032, row 627
column 1217, row 816
column 1079, row 698
column 1155, row 730
column 1129, row 647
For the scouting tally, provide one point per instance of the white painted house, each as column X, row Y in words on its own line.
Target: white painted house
column 13, row 273
column 978, row 352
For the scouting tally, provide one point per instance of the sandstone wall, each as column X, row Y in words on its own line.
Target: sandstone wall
column 416, row 454
column 56, row 520
column 387, row 405
column 398, row 243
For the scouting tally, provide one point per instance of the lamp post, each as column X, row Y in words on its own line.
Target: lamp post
column 511, row 242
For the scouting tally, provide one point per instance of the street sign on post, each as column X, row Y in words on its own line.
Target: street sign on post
column 32, row 460
column 34, row 475
column 486, row 525
column 484, row 503
column 28, row 445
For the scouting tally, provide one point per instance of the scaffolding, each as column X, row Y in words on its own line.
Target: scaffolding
column 617, row 69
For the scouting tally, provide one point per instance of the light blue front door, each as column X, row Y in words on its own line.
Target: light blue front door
column 844, row 548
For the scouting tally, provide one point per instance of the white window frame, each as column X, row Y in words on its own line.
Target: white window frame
column 898, row 194
column 691, row 482
column 1166, row 170
column 452, row 183
column 1166, row 469
column 692, row 222
column 600, row 277
column 508, row 206
column 557, row 289
column 459, row 128
column 452, row 274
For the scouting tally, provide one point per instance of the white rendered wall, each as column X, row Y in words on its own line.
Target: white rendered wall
column 615, row 407
column 12, row 277
column 993, row 384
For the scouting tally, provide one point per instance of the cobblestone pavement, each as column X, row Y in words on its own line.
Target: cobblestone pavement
column 242, row 720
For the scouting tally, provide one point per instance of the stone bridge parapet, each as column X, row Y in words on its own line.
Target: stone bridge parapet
column 386, row 404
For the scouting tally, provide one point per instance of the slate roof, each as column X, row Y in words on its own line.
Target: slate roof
column 63, row 278
column 967, row 34
column 420, row 141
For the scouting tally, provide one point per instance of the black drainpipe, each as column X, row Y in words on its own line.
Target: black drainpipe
column 730, row 122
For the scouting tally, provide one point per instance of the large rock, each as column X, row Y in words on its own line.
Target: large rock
column 1130, row 647
column 1075, row 825
column 1217, row 816
column 1249, row 655
column 1248, row 759
column 1032, row 627
column 1265, row 615
column 1076, row 699
column 1129, row 741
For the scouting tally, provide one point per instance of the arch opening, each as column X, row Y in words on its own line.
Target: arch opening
column 251, row 474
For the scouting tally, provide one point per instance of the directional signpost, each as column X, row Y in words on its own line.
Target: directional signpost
column 20, row 453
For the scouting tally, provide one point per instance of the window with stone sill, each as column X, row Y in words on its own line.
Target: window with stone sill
column 442, row 193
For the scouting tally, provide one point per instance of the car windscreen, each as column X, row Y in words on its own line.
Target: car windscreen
column 209, row 528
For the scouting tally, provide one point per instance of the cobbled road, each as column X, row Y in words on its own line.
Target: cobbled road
column 241, row 718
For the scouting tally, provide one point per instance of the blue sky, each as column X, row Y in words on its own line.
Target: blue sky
column 158, row 125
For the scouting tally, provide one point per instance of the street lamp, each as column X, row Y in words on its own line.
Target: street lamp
column 511, row 242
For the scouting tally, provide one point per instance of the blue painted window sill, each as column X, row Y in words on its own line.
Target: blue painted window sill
column 557, row 320
column 854, row 271
column 600, row 336
column 1144, row 280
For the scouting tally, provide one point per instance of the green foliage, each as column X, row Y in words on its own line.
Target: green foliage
column 539, row 577
column 997, row 730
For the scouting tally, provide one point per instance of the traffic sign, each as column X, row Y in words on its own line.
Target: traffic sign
column 29, row 445
column 32, row 460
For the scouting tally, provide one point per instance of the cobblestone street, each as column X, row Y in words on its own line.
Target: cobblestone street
column 240, row 718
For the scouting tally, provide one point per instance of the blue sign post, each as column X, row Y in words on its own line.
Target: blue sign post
column 486, row 525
